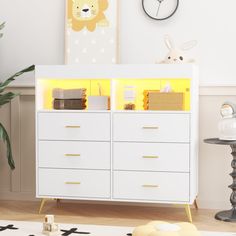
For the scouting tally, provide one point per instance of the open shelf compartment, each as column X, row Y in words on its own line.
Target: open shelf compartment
column 115, row 79
column 45, row 89
column 145, row 91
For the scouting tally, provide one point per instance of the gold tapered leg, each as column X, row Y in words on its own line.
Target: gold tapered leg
column 188, row 212
column 42, row 205
column 195, row 204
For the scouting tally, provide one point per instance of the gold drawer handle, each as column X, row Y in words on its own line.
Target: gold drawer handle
column 72, row 126
column 150, row 186
column 73, row 183
column 150, row 127
column 72, row 155
column 151, row 157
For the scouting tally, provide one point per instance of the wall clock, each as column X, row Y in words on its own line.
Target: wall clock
column 160, row 9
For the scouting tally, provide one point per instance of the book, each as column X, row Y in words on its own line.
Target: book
column 69, row 104
column 79, row 93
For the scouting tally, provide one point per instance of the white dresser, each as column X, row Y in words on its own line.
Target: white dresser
column 117, row 155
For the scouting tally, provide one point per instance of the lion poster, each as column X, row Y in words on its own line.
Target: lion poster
column 91, row 31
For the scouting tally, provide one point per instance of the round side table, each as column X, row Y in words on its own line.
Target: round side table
column 229, row 216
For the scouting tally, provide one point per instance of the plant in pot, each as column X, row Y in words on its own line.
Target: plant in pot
column 6, row 97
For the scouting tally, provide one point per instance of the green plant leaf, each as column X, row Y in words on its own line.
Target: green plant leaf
column 4, row 84
column 2, row 25
column 7, row 97
column 5, row 138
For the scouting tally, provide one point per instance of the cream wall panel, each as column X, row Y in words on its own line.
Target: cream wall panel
column 214, row 160
column 5, row 176
column 15, row 143
column 27, row 136
column 18, row 118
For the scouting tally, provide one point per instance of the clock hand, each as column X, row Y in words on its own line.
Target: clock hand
column 160, row 1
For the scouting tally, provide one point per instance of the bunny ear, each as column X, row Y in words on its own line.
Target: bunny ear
column 169, row 42
column 188, row 45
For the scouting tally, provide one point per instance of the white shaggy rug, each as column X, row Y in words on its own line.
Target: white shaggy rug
column 20, row 228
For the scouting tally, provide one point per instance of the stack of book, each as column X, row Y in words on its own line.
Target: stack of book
column 69, row 99
column 155, row 100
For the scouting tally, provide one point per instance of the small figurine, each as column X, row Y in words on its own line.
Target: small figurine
column 49, row 227
column 177, row 55
column 227, row 125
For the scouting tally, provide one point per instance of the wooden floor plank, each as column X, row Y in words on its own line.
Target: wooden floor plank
column 118, row 215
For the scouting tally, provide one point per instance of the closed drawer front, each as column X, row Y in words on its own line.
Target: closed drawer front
column 74, row 126
column 151, row 156
column 151, row 127
column 74, row 154
column 152, row 186
column 74, row 183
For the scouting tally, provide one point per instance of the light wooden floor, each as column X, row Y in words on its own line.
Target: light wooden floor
column 109, row 214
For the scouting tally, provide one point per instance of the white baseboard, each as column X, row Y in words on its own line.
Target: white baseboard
column 217, row 205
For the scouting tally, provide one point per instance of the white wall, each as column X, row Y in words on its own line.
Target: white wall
column 211, row 22
column 34, row 34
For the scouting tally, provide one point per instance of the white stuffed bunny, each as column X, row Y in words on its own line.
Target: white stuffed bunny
column 177, row 55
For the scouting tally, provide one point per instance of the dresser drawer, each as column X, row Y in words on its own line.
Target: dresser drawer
column 74, row 126
column 74, row 183
column 151, row 156
column 151, row 186
column 74, row 154
column 151, row 127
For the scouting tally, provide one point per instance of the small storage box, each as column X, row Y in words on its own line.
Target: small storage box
column 164, row 101
column 98, row 103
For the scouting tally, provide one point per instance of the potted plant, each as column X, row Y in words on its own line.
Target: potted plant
column 6, row 97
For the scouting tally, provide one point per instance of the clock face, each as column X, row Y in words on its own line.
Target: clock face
column 160, row 9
